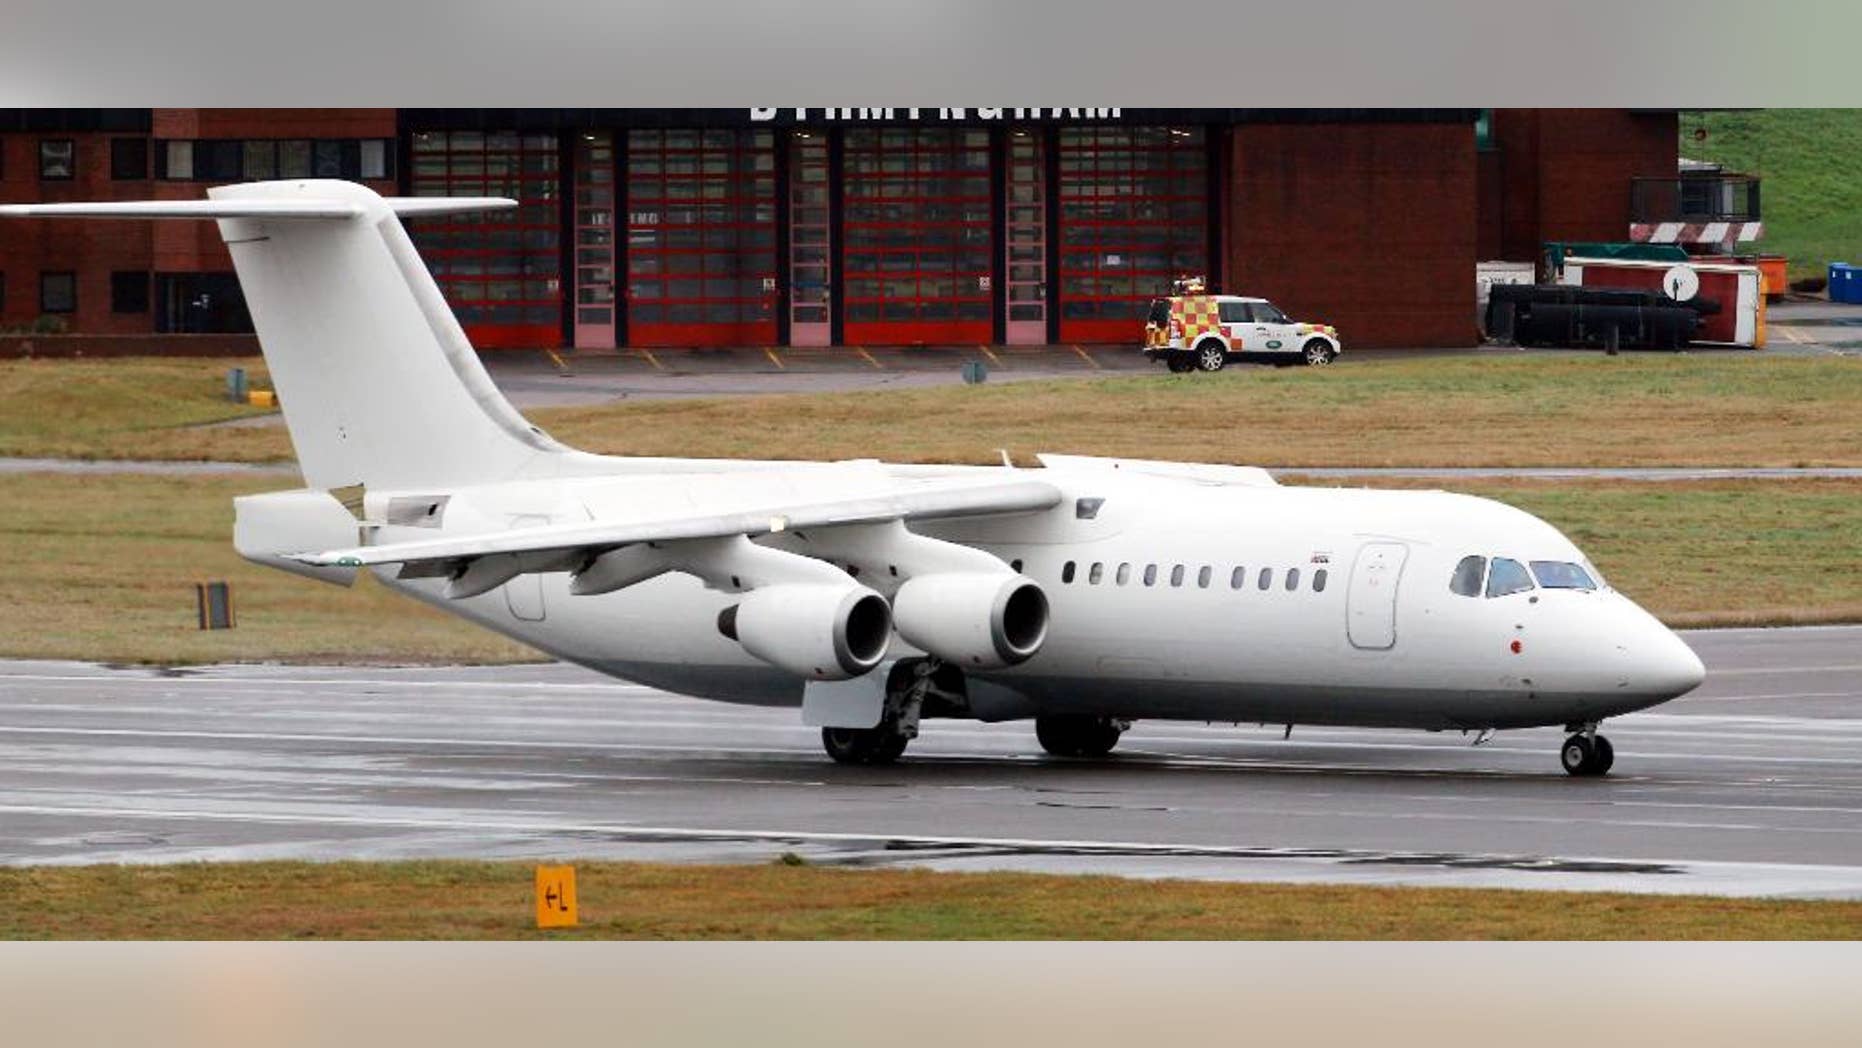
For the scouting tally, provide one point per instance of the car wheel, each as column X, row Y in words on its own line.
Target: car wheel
column 1179, row 363
column 1317, row 352
column 1211, row 356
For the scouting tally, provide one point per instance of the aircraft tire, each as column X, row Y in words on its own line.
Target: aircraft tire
column 1076, row 736
column 1587, row 757
column 864, row 746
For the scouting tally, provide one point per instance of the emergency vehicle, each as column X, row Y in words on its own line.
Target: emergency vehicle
column 1193, row 330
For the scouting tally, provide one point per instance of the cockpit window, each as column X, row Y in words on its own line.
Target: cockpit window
column 1560, row 574
column 1467, row 580
column 1507, row 576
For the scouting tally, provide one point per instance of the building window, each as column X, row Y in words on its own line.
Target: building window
column 374, row 162
column 294, row 158
column 260, row 162
column 1483, row 132
column 178, row 161
column 129, row 292
column 129, row 159
column 57, row 159
column 58, row 293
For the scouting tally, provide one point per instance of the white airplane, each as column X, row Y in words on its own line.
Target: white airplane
column 1084, row 594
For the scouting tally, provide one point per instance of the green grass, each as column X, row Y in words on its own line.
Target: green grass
column 1708, row 409
column 102, row 568
column 1811, row 198
column 126, row 407
column 492, row 900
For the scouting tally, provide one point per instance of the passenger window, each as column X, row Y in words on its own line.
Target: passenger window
column 1318, row 581
column 1203, row 576
column 1507, row 576
column 1124, row 574
column 1066, row 573
column 1150, row 574
column 1267, row 578
column 1467, row 580
column 1238, row 578
column 1233, row 312
column 1176, row 575
column 1098, row 572
column 1293, row 579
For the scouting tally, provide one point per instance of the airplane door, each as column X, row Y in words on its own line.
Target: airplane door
column 1370, row 605
column 524, row 594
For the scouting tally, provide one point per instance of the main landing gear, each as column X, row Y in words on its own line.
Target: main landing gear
column 1586, row 753
column 885, row 742
column 1071, row 735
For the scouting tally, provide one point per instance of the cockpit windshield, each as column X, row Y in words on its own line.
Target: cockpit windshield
column 1507, row 576
column 1561, row 574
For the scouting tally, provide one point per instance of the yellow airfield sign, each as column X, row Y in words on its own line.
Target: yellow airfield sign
column 556, row 897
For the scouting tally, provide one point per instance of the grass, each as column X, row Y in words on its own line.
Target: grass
column 1812, row 201
column 1714, row 409
column 102, row 568
column 1506, row 410
column 136, row 407
column 492, row 900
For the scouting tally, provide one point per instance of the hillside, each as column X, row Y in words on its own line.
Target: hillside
column 1809, row 159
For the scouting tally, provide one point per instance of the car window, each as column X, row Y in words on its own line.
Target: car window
column 1507, row 576
column 1467, row 580
column 1233, row 312
column 1560, row 574
column 1267, row 313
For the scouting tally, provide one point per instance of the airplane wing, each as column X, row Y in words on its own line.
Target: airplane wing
column 903, row 502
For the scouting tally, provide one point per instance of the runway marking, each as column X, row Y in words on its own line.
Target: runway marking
column 653, row 360
column 475, row 821
column 991, row 354
column 868, row 357
column 1097, row 366
column 1163, row 758
column 774, row 359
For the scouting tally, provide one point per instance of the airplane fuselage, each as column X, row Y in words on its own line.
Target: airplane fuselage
column 1176, row 599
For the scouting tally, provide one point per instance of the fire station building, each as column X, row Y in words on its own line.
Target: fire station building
column 841, row 227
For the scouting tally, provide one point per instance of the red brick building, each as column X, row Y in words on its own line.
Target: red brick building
column 664, row 227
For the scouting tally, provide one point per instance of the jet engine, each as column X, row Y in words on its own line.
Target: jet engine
column 985, row 621
column 819, row 631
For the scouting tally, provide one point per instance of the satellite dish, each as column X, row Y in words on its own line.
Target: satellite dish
column 1681, row 283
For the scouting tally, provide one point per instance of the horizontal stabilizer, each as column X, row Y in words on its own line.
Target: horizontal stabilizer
column 300, row 208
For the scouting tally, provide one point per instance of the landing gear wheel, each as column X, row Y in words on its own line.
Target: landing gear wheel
column 1603, row 755
column 1316, row 353
column 1076, row 736
column 1587, row 756
column 867, row 746
column 1211, row 356
column 1179, row 363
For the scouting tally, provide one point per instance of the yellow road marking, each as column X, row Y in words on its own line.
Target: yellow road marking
column 774, row 359
column 990, row 354
column 653, row 360
column 560, row 366
column 868, row 357
column 1087, row 357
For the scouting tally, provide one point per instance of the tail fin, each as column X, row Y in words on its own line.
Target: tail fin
column 378, row 382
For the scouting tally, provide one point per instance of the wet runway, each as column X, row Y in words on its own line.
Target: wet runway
column 1751, row 786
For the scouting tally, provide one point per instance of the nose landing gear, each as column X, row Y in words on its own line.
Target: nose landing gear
column 1587, row 753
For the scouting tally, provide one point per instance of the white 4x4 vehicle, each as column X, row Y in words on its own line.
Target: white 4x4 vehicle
column 1205, row 332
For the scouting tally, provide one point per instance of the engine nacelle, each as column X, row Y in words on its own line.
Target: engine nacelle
column 986, row 621
column 818, row 631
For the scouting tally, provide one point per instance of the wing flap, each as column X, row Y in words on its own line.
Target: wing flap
column 905, row 504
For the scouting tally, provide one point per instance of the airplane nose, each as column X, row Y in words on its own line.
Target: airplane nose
column 1666, row 666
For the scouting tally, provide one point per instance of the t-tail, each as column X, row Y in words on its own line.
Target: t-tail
column 378, row 383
